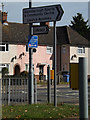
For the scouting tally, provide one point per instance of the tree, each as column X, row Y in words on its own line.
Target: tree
column 80, row 25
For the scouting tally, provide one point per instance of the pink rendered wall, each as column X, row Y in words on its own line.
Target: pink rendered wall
column 24, row 59
column 39, row 57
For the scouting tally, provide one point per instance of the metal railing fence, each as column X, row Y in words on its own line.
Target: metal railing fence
column 14, row 91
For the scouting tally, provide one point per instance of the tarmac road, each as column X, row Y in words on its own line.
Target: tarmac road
column 64, row 94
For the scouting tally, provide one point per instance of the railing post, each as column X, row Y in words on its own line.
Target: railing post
column 9, row 92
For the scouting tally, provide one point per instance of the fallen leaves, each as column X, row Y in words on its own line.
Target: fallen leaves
column 25, row 110
column 19, row 116
column 11, row 110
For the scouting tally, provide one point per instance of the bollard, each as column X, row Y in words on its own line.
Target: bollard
column 83, row 89
column 48, row 85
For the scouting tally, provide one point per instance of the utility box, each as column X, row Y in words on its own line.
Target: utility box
column 74, row 76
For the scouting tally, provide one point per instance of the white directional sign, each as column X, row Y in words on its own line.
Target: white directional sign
column 40, row 30
column 42, row 14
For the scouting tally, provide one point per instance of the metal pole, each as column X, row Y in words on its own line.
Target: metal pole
column 54, row 65
column 49, row 84
column 1, row 99
column 30, row 81
column 83, row 89
column 35, row 90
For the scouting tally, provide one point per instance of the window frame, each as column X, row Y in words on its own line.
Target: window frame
column 51, row 50
column 5, row 46
column 82, row 49
column 5, row 65
column 27, row 49
column 63, row 48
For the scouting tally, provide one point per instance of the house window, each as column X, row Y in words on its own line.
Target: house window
column 27, row 49
column 63, row 49
column 81, row 50
column 4, row 66
column 49, row 50
column 4, row 47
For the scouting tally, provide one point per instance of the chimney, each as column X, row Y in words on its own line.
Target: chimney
column 4, row 16
column 47, row 23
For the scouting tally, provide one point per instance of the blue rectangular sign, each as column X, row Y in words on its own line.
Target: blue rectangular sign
column 33, row 41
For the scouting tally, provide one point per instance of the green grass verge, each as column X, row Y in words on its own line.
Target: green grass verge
column 40, row 111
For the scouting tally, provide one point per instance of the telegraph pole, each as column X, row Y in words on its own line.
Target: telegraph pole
column 30, row 77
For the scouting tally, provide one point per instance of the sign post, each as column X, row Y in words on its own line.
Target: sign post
column 54, row 65
column 30, row 80
column 38, row 15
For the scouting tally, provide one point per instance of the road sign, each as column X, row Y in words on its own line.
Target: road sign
column 40, row 30
column 42, row 14
column 33, row 42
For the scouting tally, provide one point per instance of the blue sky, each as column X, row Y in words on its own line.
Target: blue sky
column 14, row 10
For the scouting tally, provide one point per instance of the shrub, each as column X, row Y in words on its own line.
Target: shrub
column 4, row 71
column 24, row 74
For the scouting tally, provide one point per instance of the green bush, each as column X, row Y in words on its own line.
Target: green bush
column 24, row 74
column 4, row 71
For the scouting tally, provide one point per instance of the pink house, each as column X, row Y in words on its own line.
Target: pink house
column 15, row 35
